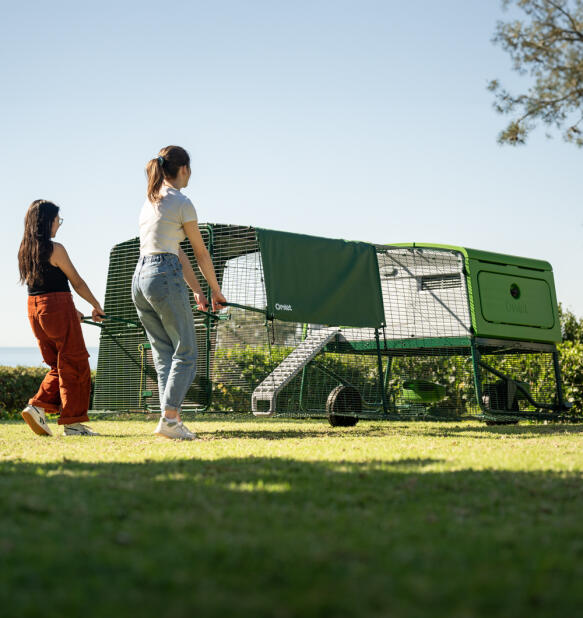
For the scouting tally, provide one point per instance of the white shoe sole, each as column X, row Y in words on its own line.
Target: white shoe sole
column 163, row 435
column 80, row 433
column 31, row 422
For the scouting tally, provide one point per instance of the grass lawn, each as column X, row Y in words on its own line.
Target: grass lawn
column 292, row 518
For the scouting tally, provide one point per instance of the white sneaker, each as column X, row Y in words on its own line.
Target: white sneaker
column 171, row 428
column 77, row 429
column 35, row 419
column 190, row 433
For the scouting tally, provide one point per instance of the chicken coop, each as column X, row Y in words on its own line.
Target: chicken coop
column 347, row 330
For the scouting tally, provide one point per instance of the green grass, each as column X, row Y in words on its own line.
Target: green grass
column 292, row 518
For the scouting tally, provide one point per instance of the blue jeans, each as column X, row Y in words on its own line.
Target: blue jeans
column 161, row 299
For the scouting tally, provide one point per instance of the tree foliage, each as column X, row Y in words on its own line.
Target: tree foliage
column 548, row 45
column 571, row 326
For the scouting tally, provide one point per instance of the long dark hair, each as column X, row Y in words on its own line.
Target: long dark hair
column 36, row 246
column 165, row 165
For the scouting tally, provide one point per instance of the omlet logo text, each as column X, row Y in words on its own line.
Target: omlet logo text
column 516, row 307
column 279, row 307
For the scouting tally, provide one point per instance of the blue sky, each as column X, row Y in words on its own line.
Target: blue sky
column 366, row 120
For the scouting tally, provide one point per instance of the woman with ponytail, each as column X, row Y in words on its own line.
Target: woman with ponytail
column 45, row 267
column 158, row 287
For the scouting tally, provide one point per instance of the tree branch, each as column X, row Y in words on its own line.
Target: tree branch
column 568, row 17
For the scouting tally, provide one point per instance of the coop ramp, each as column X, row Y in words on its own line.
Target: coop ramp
column 286, row 371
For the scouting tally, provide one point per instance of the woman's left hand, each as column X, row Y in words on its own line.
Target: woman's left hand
column 97, row 314
column 79, row 315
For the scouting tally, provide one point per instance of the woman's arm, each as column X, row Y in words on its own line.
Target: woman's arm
column 204, row 263
column 60, row 258
column 192, row 280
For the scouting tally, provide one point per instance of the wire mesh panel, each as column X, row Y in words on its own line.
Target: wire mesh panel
column 434, row 383
column 424, row 296
column 309, row 393
column 424, row 293
column 126, row 378
column 120, row 379
column 119, row 366
column 243, row 345
column 516, row 381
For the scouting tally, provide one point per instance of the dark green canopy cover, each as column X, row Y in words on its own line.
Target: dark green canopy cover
column 321, row 280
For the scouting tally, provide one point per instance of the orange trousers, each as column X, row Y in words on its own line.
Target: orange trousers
column 66, row 388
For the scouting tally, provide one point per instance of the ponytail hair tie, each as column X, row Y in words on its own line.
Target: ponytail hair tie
column 161, row 161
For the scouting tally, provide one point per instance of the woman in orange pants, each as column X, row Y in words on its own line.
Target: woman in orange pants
column 47, row 270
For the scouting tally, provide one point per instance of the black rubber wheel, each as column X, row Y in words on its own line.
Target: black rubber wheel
column 343, row 406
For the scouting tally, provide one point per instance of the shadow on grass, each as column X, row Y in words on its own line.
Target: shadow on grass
column 484, row 431
column 441, row 432
column 287, row 428
column 373, row 428
column 288, row 434
column 279, row 537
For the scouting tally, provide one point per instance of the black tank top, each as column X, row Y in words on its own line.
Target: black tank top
column 53, row 280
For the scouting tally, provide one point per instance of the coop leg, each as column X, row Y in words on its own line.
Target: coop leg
column 380, row 369
column 559, row 382
column 387, row 378
column 476, row 356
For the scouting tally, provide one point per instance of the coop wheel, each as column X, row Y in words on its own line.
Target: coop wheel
column 342, row 421
column 343, row 406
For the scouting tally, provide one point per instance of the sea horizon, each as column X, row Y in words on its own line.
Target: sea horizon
column 13, row 356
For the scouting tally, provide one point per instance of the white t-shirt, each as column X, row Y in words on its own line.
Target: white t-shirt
column 161, row 224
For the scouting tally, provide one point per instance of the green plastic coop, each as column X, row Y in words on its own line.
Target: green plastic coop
column 348, row 330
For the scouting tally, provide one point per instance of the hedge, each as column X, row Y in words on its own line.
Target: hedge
column 18, row 385
column 572, row 369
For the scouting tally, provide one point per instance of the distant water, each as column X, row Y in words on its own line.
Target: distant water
column 31, row 357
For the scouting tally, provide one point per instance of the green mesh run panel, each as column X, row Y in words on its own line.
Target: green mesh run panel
column 126, row 379
column 119, row 372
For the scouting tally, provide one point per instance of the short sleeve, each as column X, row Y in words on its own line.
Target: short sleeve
column 188, row 211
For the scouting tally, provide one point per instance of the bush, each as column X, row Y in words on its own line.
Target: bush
column 238, row 371
column 571, row 355
column 571, row 326
column 17, row 386
column 571, row 358
column 248, row 365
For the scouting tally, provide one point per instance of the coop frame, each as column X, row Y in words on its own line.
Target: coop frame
column 228, row 242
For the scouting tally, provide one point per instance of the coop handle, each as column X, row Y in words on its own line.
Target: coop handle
column 111, row 318
column 86, row 319
column 236, row 305
column 247, row 308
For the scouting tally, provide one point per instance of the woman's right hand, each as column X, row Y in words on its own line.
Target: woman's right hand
column 202, row 303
